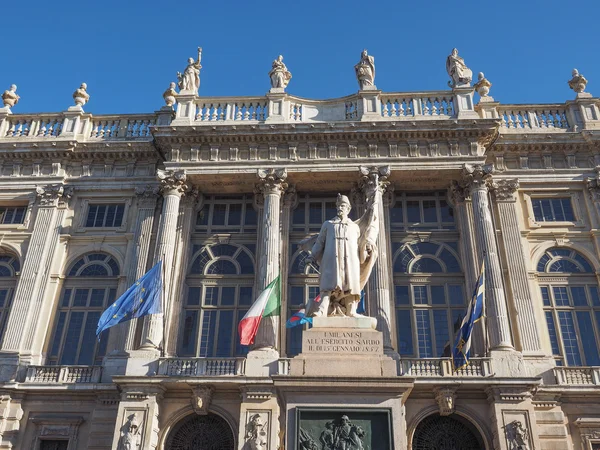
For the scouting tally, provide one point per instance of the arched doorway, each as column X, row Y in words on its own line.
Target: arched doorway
column 209, row 432
column 437, row 432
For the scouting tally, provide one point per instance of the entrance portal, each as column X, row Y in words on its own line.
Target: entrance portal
column 437, row 432
column 209, row 432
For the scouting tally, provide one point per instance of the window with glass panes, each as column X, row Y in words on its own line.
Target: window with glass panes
column 105, row 215
column 220, row 292
column 553, row 209
column 428, row 210
column 9, row 269
column 571, row 306
column 11, row 215
column 89, row 288
column 429, row 295
column 225, row 214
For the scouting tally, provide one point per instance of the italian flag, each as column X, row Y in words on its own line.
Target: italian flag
column 267, row 304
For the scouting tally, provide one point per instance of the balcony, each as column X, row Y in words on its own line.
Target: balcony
column 577, row 376
column 437, row 367
column 201, row 367
column 63, row 374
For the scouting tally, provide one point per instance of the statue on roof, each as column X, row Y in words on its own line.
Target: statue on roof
column 80, row 95
column 460, row 74
column 10, row 97
column 189, row 80
column 365, row 71
column 279, row 74
column 578, row 82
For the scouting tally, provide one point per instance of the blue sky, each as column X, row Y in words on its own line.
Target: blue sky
column 129, row 50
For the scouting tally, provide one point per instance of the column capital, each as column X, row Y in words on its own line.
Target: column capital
column 147, row 195
column 374, row 179
column 457, row 193
column 504, row 190
column 476, row 176
column 290, row 198
column 51, row 195
column 593, row 185
column 271, row 181
column 172, row 182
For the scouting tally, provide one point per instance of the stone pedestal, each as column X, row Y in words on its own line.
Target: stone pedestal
column 338, row 352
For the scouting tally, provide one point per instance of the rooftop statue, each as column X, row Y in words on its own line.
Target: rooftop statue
column 346, row 251
column 170, row 95
column 365, row 71
column 279, row 74
column 578, row 82
column 190, row 79
column 10, row 97
column 457, row 69
column 80, row 95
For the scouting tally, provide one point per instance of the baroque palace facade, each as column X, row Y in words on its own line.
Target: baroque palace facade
column 222, row 190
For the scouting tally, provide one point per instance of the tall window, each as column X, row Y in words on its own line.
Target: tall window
column 554, row 209
column 9, row 269
column 571, row 300
column 90, row 286
column 429, row 295
column 220, row 292
column 428, row 210
column 226, row 214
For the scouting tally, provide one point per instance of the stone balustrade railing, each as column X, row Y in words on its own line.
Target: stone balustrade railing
column 532, row 118
column 417, row 105
column 197, row 367
column 63, row 374
column 230, row 109
column 577, row 376
column 438, row 367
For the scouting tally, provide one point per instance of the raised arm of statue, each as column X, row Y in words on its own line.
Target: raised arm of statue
column 199, row 55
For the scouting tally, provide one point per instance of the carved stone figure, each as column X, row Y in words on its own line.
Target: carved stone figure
column 306, row 442
column 342, row 435
column 190, row 79
column 365, row 71
column 445, row 399
column 346, row 251
column 170, row 95
column 80, row 95
column 326, row 437
column 130, row 434
column 202, row 396
column 519, row 435
column 279, row 74
column 256, row 434
column 578, row 82
column 483, row 85
column 10, row 97
column 460, row 74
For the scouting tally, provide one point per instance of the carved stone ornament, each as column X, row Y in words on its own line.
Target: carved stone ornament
column 445, row 398
column 482, row 86
column 272, row 181
column 593, row 185
column 518, row 435
column 130, row 434
column 342, row 434
column 170, row 95
column 10, row 97
column 504, row 190
column 201, row 398
column 80, row 95
column 476, row 176
column 51, row 194
column 578, row 82
column 373, row 179
column 460, row 74
column 280, row 75
column 457, row 193
column 256, row 435
column 172, row 181
column 365, row 71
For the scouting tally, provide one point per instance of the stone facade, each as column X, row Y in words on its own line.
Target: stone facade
column 221, row 190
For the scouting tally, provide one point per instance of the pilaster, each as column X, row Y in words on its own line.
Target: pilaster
column 527, row 331
column 290, row 201
column 373, row 185
column 102, row 421
column 173, row 187
column 272, row 184
column 23, row 323
column 259, row 419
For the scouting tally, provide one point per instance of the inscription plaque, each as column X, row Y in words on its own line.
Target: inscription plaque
column 356, row 342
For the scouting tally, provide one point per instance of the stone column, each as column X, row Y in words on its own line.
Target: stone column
column 477, row 179
column 271, row 186
column 506, row 199
column 185, row 225
column 23, row 322
column 290, row 201
column 374, row 184
column 173, row 186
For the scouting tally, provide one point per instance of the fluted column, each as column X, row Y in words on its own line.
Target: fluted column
column 374, row 184
column 185, row 224
column 290, row 201
column 505, row 195
column 270, row 187
column 29, row 295
column 477, row 179
column 173, row 186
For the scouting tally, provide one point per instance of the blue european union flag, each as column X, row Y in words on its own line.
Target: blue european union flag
column 143, row 298
column 461, row 352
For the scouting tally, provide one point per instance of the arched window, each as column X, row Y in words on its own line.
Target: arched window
column 220, row 291
column 90, row 286
column 9, row 269
column 446, row 432
column 569, row 291
column 429, row 295
column 201, row 432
